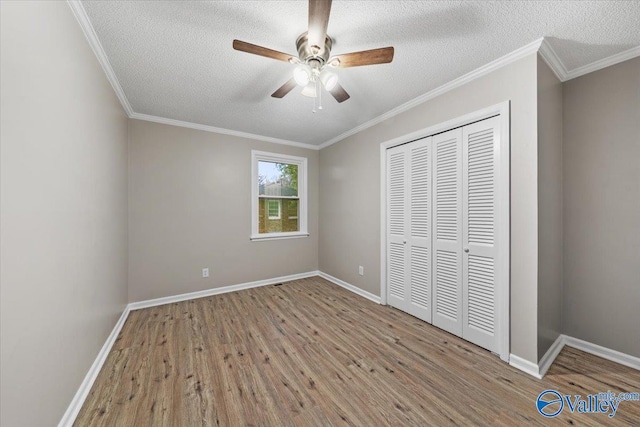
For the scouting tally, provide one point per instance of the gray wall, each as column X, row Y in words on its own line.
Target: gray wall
column 549, row 207
column 350, row 190
column 66, row 251
column 190, row 208
column 602, row 207
column 63, row 210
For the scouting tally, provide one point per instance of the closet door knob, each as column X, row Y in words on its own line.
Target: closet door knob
column 404, row 242
column 466, row 250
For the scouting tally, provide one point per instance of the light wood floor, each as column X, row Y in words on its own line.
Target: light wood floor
column 309, row 353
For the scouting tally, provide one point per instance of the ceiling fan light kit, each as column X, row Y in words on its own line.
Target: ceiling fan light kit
column 329, row 80
column 314, row 56
column 302, row 74
column 309, row 90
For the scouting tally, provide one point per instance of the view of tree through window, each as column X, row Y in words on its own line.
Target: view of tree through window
column 278, row 206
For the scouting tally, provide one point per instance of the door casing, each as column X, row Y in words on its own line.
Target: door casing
column 503, row 222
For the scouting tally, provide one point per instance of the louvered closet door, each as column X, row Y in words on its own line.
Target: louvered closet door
column 447, row 231
column 397, row 228
column 479, row 181
column 419, row 241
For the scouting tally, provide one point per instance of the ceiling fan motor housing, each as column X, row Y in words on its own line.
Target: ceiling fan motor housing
column 309, row 54
column 312, row 60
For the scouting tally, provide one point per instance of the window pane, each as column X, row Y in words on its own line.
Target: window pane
column 280, row 202
column 277, row 179
column 277, row 215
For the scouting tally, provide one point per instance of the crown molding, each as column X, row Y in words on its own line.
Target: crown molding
column 603, row 63
column 540, row 45
column 553, row 60
column 478, row 72
column 87, row 28
column 555, row 63
column 96, row 46
column 207, row 128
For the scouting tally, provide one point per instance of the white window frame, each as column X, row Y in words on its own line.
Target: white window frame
column 279, row 204
column 301, row 162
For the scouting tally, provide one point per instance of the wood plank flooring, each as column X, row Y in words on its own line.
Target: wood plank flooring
column 309, row 353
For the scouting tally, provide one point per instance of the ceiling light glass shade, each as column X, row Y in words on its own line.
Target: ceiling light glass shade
column 329, row 80
column 302, row 75
column 309, row 90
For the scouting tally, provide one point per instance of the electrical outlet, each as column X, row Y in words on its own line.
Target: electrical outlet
column 205, row 272
column 361, row 270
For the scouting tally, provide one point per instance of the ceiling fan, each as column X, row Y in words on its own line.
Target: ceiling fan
column 314, row 59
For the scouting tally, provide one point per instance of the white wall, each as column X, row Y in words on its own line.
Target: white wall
column 601, row 163
column 63, row 210
column 190, row 208
column 350, row 190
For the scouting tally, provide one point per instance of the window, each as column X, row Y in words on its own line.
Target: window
column 273, row 207
column 279, row 191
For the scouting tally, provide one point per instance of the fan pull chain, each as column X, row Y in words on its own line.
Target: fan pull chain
column 319, row 92
column 315, row 98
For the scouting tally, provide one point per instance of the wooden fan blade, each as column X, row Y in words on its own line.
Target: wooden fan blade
column 383, row 55
column 318, row 20
column 285, row 89
column 339, row 93
column 259, row 50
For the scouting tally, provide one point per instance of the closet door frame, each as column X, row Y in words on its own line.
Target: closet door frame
column 503, row 209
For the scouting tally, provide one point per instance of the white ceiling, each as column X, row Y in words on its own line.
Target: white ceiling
column 174, row 59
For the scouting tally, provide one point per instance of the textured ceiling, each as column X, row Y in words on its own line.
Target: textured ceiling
column 174, row 58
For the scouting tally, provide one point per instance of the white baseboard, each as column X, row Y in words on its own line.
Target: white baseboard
column 350, row 287
column 604, row 352
column 525, row 366
column 85, row 387
column 215, row 291
column 539, row 370
column 547, row 360
column 533, row 369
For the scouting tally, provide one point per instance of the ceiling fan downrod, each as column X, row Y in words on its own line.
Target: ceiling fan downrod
column 314, row 56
